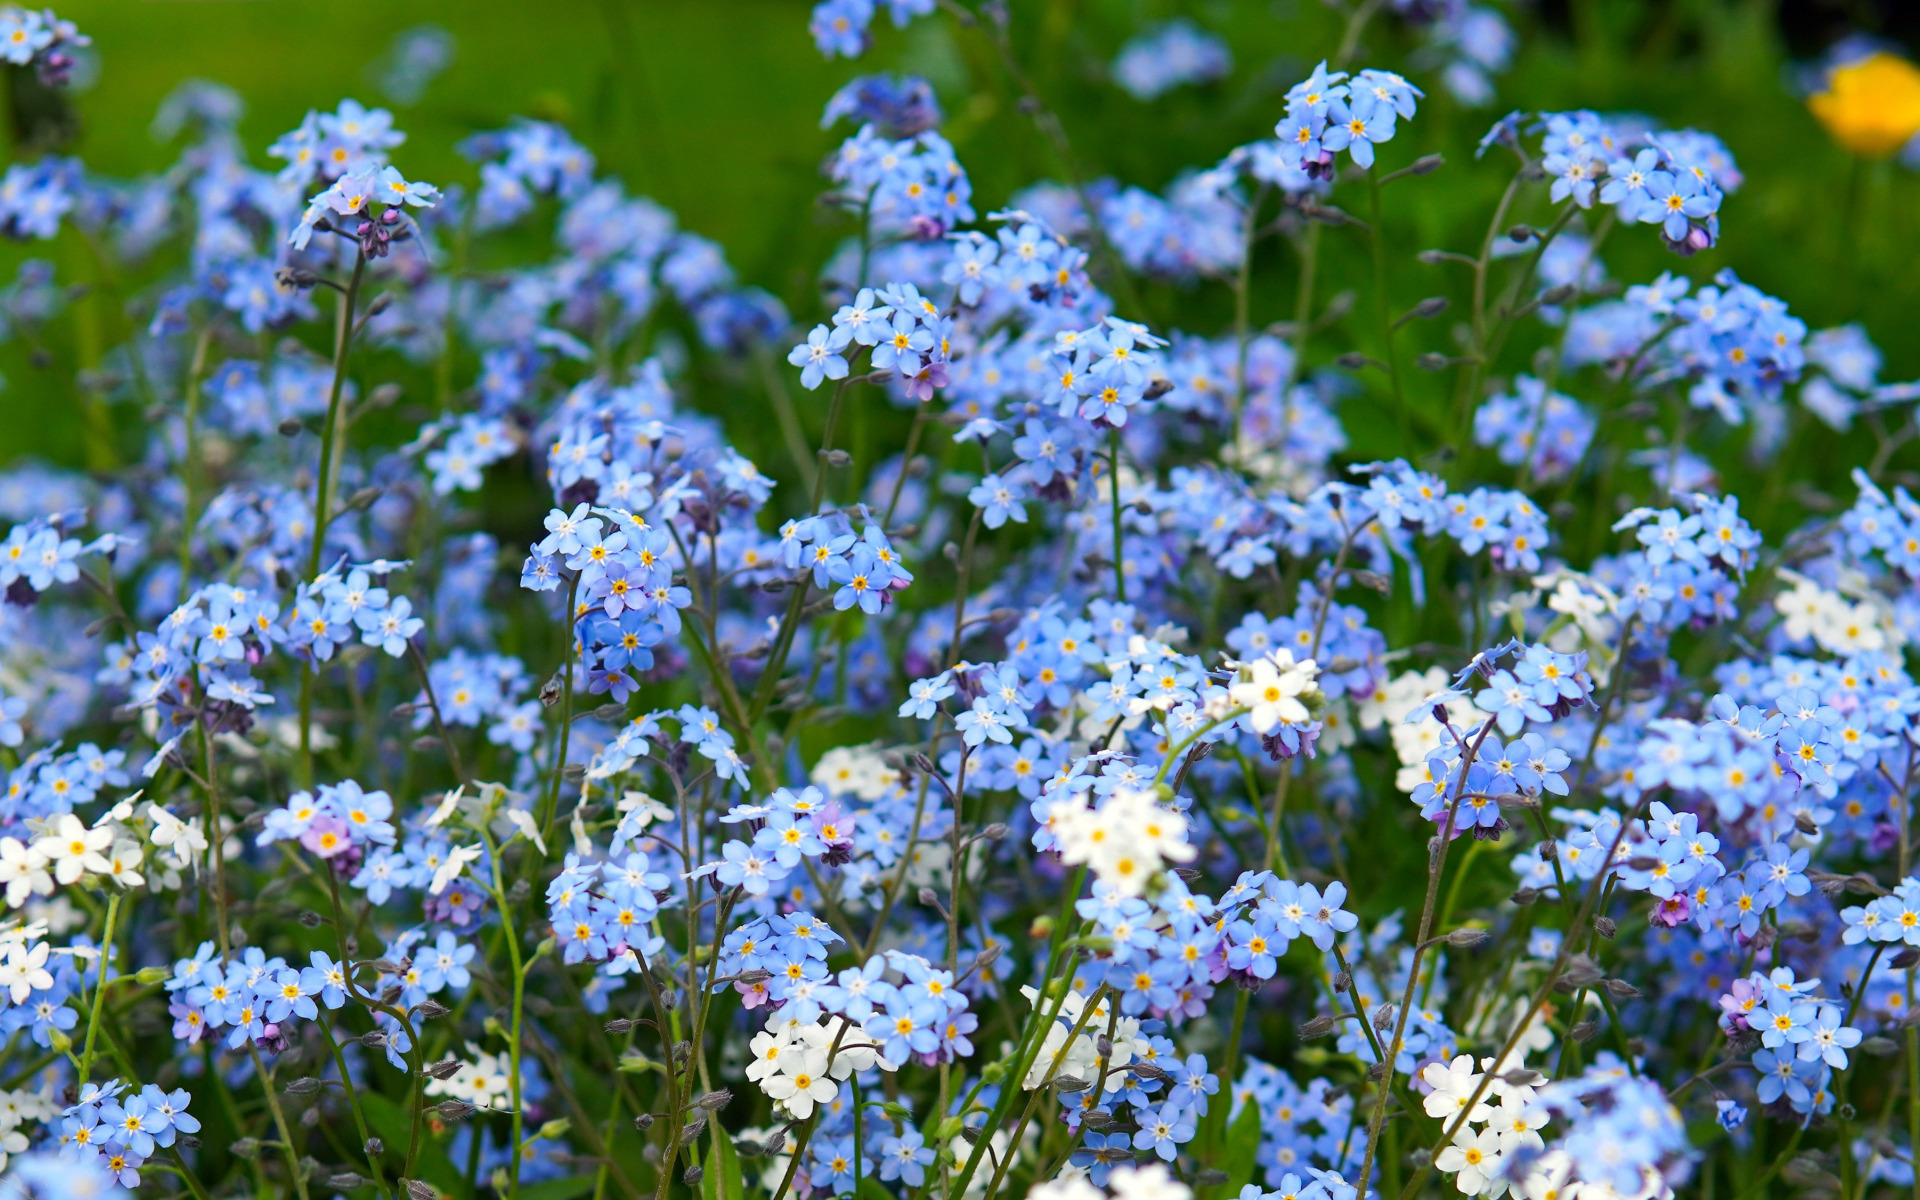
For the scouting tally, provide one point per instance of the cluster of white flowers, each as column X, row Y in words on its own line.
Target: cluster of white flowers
column 485, row 1081
column 1274, row 689
column 23, row 962
column 1125, row 841
column 857, row 771
column 17, row 1107
column 1503, row 1119
column 801, row 1064
column 68, row 850
column 1080, row 1057
column 1833, row 622
column 185, row 841
column 1588, row 619
column 1404, row 707
column 1148, row 1181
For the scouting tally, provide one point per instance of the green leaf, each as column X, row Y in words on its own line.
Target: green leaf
column 557, row 1189
column 1243, row 1146
column 722, row 1180
column 722, row 1168
column 871, row 1189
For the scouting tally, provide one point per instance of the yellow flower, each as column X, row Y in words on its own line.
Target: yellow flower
column 1872, row 105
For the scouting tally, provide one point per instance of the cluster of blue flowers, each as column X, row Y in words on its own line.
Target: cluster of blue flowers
column 112, row 1127
column 950, row 786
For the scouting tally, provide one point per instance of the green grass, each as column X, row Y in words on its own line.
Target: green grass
column 711, row 107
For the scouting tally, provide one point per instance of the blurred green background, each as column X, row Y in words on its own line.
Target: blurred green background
column 712, row 106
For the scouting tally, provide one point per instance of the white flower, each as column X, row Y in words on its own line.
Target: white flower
column 1807, row 605
column 1474, row 1160
column 929, row 863
column 124, row 863
column 1070, row 1184
column 486, row 1082
column 1272, row 688
column 1125, row 842
column 528, row 827
column 996, row 1147
column 802, row 1083
column 1850, row 629
column 451, row 870
column 24, row 970
column 1390, row 705
column 184, row 838
column 1515, row 1122
column 1336, row 728
column 856, row 1052
column 643, row 810
column 23, row 869
column 854, row 770
column 1549, row 1177
column 73, row 849
column 1148, row 1182
column 768, row 1051
column 1452, row 1084
column 448, row 803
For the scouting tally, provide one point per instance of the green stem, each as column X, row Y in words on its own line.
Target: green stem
column 99, row 987
column 512, row 939
column 216, row 844
column 834, row 409
column 353, row 1106
column 1379, row 239
column 342, row 339
column 279, row 1122
column 323, row 492
column 1241, row 302
column 1436, row 863
column 550, row 804
column 1119, row 544
column 1033, row 1037
column 190, row 469
column 1229, row 1067
column 859, row 1145
column 1276, row 858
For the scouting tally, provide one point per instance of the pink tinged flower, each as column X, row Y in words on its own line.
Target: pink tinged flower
column 1673, row 911
column 327, row 836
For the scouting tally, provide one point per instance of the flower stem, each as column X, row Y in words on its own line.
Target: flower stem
column 1384, row 305
column 279, row 1121
column 99, row 987
column 330, row 433
column 1119, row 535
column 353, row 1106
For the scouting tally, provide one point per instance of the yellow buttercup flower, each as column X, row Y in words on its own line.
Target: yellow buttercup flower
column 1871, row 106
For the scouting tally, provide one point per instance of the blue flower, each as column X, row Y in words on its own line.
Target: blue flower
column 819, row 356
column 1163, row 1131
column 906, row 1157
column 1357, row 125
